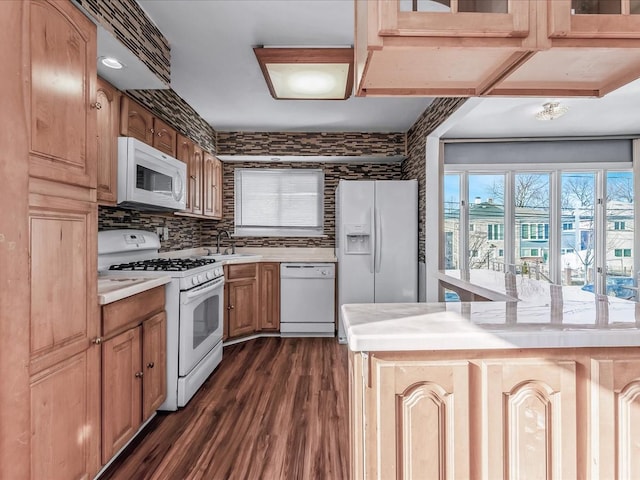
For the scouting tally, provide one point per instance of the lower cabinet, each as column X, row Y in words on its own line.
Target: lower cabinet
column 252, row 298
column 555, row 414
column 133, row 366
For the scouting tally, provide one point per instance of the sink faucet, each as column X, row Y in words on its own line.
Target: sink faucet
column 220, row 233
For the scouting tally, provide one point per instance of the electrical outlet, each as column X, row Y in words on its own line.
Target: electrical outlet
column 165, row 233
column 160, row 233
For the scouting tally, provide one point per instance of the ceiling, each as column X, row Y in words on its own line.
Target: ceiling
column 214, row 69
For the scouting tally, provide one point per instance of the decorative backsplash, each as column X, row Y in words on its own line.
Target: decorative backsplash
column 184, row 232
column 414, row 166
column 128, row 22
column 333, row 172
column 294, row 143
column 167, row 105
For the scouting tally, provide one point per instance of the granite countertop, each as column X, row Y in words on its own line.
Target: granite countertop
column 114, row 288
column 491, row 325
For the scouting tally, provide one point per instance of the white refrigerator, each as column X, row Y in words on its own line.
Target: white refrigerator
column 376, row 242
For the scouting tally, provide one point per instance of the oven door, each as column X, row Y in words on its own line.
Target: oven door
column 201, row 327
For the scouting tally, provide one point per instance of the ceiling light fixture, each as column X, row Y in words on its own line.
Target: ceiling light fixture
column 320, row 73
column 551, row 111
column 112, row 62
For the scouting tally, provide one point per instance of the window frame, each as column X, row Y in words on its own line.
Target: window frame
column 555, row 227
column 280, row 230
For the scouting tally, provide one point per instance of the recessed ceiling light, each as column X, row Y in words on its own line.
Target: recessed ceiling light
column 112, row 62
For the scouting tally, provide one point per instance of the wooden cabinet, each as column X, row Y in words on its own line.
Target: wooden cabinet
column 133, row 366
column 252, row 299
column 212, row 186
column 470, row 48
column 138, row 122
column 59, row 420
column 60, row 82
column 108, row 118
column 241, row 298
column 532, row 413
column 269, row 300
column 191, row 154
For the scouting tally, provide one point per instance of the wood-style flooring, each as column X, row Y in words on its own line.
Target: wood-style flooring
column 275, row 408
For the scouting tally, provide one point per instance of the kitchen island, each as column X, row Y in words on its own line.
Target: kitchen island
column 494, row 390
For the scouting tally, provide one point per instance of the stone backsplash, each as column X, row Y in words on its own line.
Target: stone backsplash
column 293, row 143
column 414, row 166
column 128, row 23
column 333, row 172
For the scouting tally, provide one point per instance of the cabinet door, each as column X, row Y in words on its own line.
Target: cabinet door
column 197, row 171
column 154, row 363
column 420, row 425
column 269, row 302
column 62, row 48
column 65, row 426
column 241, row 306
column 209, row 184
column 135, row 121
column 530, row 418
column 164, row 137
column 184, row 153
column 217, row 188
column 121, row 391
column 612, row 19
column 108, row 116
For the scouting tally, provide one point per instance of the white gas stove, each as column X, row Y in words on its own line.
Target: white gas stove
column 194, row 305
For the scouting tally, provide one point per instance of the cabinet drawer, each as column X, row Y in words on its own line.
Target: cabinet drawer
column 243, row 270
column 131, row 310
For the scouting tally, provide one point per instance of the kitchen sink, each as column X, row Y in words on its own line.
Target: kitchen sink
column 221, row 257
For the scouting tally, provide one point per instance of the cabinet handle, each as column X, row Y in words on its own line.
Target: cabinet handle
column 97, row 341
column 152, row 130
column 193, row 177
column 139, row 374
column 96, row 105
column 230, row 307
column 150, row 365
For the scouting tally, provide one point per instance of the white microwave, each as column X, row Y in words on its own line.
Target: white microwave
column 149, row 179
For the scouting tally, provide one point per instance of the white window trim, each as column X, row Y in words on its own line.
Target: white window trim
column 281, row 231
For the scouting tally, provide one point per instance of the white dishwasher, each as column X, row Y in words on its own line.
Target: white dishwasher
column 307, row 299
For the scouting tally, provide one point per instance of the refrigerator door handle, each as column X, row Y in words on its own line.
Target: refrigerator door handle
column 372, row 255
column 378, row 250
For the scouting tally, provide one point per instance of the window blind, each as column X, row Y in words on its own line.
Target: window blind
column 279, row 202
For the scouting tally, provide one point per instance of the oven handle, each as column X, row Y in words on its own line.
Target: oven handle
column 200, row 292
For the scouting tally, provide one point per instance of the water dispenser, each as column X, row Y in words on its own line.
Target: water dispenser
column 358, row 239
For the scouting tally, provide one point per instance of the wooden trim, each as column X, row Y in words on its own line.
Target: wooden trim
column 304, row 55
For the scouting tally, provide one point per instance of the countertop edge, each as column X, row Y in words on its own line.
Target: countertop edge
column 130, row 290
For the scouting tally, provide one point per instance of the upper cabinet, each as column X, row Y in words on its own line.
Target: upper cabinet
column 61, row 92
column 138, row 122
column 212, row 186
column 498, row 47
column 108, row 116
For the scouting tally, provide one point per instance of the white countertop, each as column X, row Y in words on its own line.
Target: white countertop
column 263, row 254
column 114, row 288
column 490, row 325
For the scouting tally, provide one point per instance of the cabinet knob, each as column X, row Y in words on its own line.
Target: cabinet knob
column 152, row 130
column 139, row 374
column 97, row 341
column 230, row 307
column 150, row 365
column 96, row 105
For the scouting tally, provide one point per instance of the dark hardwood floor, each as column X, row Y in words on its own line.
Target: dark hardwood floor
column 274, row 409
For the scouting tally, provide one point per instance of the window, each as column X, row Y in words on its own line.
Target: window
column 622, row 252
column 495, row 231
column 567, row 226
column 535, row 231
column 279, row 202
column 618, row 225
column 501, row 252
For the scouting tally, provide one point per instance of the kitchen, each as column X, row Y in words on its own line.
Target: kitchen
column 76, row 211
